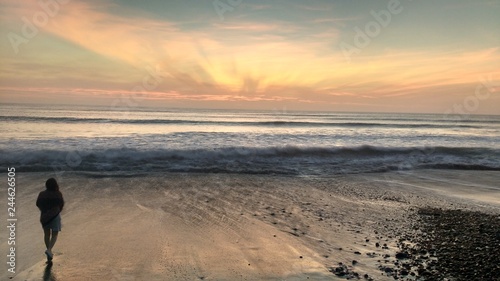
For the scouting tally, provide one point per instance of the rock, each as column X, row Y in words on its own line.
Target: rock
column 371, row 255
column 402, row 255
column 344, row 272
column 454, row 242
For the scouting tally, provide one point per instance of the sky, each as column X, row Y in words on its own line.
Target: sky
column 362, row 56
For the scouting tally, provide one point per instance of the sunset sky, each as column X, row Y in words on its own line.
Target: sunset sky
column 376, row 56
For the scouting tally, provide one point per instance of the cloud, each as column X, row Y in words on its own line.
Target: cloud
column 248, row 27
column 250, row 60
column 334, row 20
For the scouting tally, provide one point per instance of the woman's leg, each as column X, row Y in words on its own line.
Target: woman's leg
column 53, row 240
column 46, row 237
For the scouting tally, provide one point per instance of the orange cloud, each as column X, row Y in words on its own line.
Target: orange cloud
column 250, row 61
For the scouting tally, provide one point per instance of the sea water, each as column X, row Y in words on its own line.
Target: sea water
column 102, row 141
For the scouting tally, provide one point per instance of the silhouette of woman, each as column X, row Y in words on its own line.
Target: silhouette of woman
column 50, row 202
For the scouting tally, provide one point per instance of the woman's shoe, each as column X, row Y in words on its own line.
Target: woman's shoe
column 49, row 255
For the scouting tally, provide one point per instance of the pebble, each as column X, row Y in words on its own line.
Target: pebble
column 456, row 244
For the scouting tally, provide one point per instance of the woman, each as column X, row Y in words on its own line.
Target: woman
column 50, row 202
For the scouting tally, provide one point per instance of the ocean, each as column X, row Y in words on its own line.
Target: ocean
column 101, row 141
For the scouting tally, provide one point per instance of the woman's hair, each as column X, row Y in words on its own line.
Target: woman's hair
column 51, row 184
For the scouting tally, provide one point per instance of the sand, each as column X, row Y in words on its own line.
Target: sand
column 233, row 227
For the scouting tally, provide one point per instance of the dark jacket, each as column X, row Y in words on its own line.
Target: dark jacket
column 50, row 204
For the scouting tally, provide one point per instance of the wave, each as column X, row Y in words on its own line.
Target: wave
column 290, row 160
column 277, row 123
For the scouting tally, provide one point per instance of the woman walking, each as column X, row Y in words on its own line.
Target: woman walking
column 50, row 202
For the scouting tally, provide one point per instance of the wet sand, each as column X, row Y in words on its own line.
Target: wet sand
column 234, row 227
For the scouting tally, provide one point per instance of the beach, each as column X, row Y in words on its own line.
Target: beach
column 178, row 226
column 231, row 140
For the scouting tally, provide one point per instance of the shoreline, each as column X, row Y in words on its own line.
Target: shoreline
column 233, row 227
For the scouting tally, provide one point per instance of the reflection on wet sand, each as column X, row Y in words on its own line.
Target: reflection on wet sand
column 48, row 275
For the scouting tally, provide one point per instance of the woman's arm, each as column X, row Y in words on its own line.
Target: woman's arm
column 39, row 202
column 62, row 203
